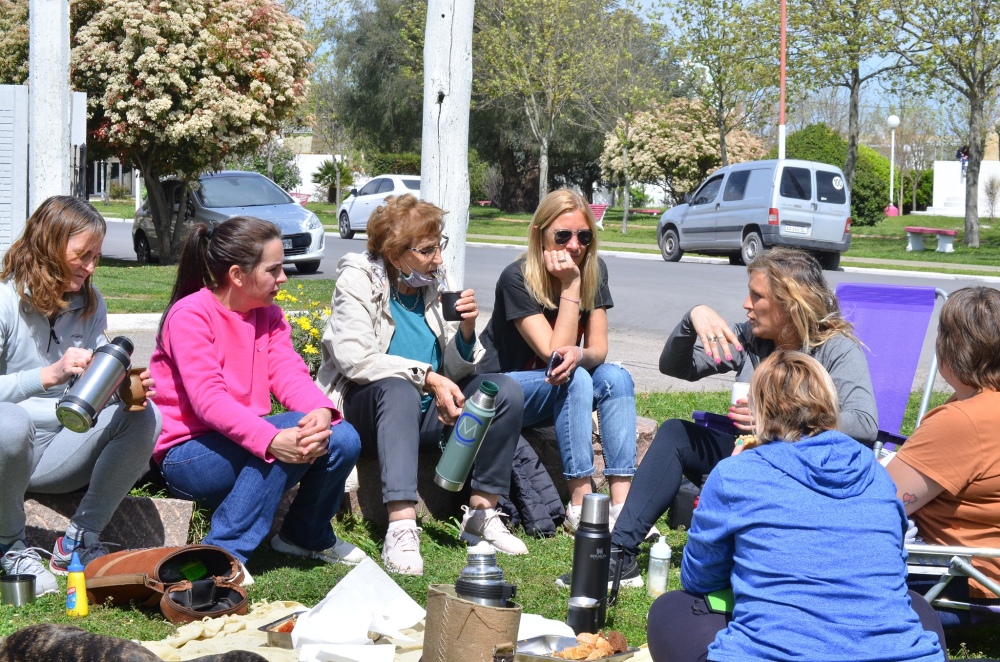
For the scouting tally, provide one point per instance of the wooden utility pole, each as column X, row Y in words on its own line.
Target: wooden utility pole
column 444, row 162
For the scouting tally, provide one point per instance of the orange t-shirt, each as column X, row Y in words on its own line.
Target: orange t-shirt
column 957, row 446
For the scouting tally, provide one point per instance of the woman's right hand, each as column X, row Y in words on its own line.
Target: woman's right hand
column 715, row 334
column 447, row 396
column 572, row 355
column 561, row 266
column 73, row 362
column 287, row 447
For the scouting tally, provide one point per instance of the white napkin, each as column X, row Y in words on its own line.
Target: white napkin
column 321, row 653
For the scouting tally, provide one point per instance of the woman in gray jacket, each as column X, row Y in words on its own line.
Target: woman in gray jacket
column 51, row 320
column 789, row 306
column 400, row 374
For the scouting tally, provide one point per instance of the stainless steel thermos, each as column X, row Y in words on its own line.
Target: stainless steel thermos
column 87, row 394
column 591, row 557
column 466, row 438
column 481, row 581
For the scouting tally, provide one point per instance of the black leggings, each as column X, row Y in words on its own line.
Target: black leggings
column 679, row 627
column 680, row 448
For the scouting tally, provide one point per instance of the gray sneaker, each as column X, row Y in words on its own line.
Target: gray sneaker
column 24, row 560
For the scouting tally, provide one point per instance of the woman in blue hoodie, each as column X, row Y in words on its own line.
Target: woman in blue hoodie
column 807, row 531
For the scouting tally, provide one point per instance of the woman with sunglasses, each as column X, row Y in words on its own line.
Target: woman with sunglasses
column 551, row 308
column 402, row 373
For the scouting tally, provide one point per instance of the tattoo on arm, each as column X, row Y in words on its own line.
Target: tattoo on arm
column 909, row 498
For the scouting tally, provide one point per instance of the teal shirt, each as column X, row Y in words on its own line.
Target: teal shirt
column 413, row 339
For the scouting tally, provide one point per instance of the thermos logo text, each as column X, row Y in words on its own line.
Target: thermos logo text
column 466, row 427
column 598, row 555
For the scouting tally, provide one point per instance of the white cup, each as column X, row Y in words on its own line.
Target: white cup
column 740, row 392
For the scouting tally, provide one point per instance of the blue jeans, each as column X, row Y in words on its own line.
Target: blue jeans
column 607, row 388
column 245, row 491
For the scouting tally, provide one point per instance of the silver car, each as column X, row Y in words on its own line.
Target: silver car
column 354, row 211
column 229, row 193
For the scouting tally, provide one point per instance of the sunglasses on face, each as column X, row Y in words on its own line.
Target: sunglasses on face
column 562, row 237
column 429, row 252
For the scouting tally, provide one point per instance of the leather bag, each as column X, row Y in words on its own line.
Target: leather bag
column 187, row 583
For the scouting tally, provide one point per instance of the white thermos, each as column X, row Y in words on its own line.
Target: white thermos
column 659, row 568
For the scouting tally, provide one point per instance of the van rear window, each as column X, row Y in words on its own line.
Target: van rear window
column 830, row 187
column 796, row 183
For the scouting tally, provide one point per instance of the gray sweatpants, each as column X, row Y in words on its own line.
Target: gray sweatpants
column 109, row 458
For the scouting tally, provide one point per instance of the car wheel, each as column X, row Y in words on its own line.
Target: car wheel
column 752, row 245
column 829, row 260
column 345, row 227
column 310, row 267
column 736, row 259
column 670, row 246
column 142, row 253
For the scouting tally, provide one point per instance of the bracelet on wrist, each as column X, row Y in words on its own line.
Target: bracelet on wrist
column 576, row 301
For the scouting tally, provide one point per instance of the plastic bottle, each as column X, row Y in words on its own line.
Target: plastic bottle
column 659, row 568
column 466, row 438
column 76, row 589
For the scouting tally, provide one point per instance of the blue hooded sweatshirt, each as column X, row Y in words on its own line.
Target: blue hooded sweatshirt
column 810, row 537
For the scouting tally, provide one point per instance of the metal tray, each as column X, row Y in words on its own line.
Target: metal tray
column 541, row 648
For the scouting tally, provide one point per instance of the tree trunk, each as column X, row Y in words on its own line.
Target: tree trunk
column 543, row 168
column 444, row 163
column 338, row 200
column 721, row 125
column 628, row 188
column 972, row 171
column 850, row 165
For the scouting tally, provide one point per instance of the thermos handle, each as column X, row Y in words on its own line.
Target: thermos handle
column 616, row 558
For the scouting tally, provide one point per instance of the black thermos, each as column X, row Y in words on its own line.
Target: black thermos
column 592, row 554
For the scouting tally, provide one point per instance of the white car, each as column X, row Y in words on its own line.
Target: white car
column 354, row 211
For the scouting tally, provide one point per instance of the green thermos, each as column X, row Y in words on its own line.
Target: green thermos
column 466, row 438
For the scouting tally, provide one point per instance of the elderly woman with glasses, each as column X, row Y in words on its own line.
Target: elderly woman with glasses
column 549, row 332
column 400, row 373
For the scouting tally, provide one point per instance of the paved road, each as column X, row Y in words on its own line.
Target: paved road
column 650, row 297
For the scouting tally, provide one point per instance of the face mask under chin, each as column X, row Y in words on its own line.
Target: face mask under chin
column 416, row 280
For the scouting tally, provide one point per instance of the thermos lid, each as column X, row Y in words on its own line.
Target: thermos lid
column 489, row 388
column 596, row 509
column 124, row 343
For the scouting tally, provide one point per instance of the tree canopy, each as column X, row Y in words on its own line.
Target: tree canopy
column 13, row 42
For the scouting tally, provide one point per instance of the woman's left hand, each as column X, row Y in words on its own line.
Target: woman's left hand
column 314, row 433
column 572, row 355
column 468, row 308
column 148, row 385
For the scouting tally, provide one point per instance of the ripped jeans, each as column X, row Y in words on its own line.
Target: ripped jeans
column 608, row 388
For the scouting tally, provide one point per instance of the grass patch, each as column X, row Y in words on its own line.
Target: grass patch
column 116, row 208
column 281, row 577
column 131, row 288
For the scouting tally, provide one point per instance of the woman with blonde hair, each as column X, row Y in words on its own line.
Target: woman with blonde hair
column 52, row 318
column 403, row 373
column 789, row 306
column 551, row 308
column 806, row 531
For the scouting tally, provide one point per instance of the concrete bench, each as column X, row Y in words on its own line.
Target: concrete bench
column 366, row 501
column 484, row 203
column 915, row 239
column 598, row 211
column 649, row 212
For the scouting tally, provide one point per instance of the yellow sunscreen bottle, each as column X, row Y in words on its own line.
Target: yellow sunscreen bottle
column 76, row 589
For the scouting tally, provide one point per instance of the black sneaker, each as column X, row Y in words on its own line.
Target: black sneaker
column 630, row 575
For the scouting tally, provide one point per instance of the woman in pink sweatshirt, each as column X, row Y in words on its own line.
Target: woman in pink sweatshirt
column 223, row 349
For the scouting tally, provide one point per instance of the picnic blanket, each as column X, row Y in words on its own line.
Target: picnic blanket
column 218, row 635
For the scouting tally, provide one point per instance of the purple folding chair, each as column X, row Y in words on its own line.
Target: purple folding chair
column 892, row 321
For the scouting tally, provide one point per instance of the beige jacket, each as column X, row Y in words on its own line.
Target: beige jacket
column 360, row 327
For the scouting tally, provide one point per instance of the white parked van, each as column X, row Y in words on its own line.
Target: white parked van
column 746, row 207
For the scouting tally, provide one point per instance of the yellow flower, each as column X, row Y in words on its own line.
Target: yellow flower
column 303, row 323
column 314, row 332
column 310, row 349
column 327, row 311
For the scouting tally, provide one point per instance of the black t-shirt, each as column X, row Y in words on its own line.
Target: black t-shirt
column 506, row 348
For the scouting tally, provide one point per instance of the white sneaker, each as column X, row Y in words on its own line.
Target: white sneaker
column 248, row 579
column 616, row 512
column 401, row 551
column 479, row 525
column 341, row 552
column 24, row 560
column 572, row 520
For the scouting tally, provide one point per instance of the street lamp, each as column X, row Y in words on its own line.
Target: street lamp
column 893, row 122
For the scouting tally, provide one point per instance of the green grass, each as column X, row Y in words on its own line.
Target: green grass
column 131, row 288
column 280, row 577
column 116, row 208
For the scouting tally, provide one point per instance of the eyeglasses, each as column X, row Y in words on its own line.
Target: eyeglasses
column 430, row 252
column 562, row 237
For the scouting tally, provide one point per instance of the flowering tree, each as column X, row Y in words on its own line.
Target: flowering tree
column 13, row 42
column 177, row 87
column 674, row 147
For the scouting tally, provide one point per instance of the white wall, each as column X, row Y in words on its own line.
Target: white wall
column 309, row 164
column 949, row 187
